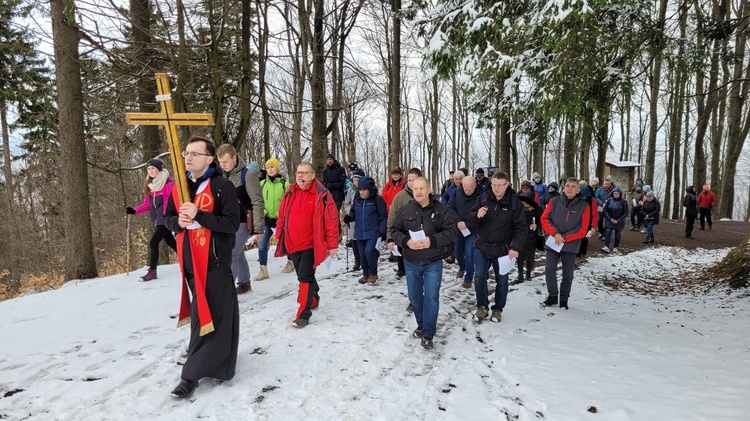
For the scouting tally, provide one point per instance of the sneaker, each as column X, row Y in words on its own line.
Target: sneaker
column 149, row 276
column 481, row 313
column 427, row 343
column 410, row 308
column 633, row 228
column 262, row 274
column 460, row 274
column 289, row 268
column 466, row 284
column 614, row 250
column 400, row 274
column 497, row 315
column 243, row 288
column 417, row 332
column 372, row 279
column 300, row 323
column 564, row 304
column 185, row 389
column 363, row 280
column 550, row 301
column 605, row 249
column 643, row 230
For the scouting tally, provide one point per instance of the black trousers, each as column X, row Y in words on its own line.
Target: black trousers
column 307, row 297
column 705, row 217
column 160, row 233
column 689, row 224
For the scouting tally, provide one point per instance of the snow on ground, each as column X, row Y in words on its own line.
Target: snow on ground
column 106, row 349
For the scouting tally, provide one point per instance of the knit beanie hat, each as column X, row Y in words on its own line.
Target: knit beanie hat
column 275, row 163
column 647, row 188
column 156, row 163
column 254, row 167
column 330, row 155
column 650, row 193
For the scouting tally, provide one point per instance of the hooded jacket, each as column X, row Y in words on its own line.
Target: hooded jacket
column 615, row 208
column 503, row 227
column 438, row 226
column 334, row 179
column 549, row 195
column 369, row 214
column 690, row 202
column 540, row 187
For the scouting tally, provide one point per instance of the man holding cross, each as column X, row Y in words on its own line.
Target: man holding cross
column 206, row 227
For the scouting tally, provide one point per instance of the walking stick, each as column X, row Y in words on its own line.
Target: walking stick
column 346, row 246
column 127, row 246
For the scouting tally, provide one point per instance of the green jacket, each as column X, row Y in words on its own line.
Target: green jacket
column 273, row 191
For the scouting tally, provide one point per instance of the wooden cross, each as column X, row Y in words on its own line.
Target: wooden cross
column 171, row 120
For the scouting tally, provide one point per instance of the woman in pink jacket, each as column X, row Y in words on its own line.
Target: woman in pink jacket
column 158, row 188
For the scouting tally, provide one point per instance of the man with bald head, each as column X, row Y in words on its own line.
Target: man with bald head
column 460, row 204
column 423, row 254
column 308, row 230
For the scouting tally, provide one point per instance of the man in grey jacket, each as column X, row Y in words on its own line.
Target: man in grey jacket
column 566, row 219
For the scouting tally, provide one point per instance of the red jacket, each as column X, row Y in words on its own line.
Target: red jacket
column 307, row 218
column 706, row 200
column 390, row 190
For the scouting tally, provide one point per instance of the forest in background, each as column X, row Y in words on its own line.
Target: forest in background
column 546, row 86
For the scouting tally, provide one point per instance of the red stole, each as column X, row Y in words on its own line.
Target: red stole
column 200, row 242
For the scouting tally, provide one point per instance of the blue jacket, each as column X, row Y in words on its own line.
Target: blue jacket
column 448, row 193
column 602, row 196
column 615, row 209
column 370, row 216
column 460, row 204
column 540, row 188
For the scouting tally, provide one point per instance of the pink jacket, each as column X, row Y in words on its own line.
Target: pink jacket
column 156, row 203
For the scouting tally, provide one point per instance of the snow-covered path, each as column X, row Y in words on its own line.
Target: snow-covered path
column 107, row 349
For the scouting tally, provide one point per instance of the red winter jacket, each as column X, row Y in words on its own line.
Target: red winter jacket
column 390, row 190
column 307, row 219
column 706, row 200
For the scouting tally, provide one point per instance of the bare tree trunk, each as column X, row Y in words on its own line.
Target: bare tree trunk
column 79, row 250
column 7, row 168
column 217, row 81
column 395, row 149
column 569, row 148
column 140, row 17
column 434, row 120
column 654, row 99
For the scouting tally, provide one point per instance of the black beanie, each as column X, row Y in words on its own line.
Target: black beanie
column 330, row 155
column 156, row 163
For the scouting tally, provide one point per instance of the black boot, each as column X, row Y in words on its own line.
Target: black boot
column 185, row 389
column 550, row 301
column 564, row 304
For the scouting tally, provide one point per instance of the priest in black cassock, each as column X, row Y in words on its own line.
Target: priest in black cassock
column 205, row 229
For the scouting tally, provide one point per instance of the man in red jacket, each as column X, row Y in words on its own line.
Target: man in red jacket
column 706, row 202
column 308, row 230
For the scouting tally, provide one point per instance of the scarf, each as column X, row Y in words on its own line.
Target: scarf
column 159, row 181
column 199, row 241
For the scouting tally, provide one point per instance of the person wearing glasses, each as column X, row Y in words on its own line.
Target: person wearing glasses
column 615, row 212
column 206, row 227
column 307, row 229
column 566, row 219
column 502, row 231
column 250, row 202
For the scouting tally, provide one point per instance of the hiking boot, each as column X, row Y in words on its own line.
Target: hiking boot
column 410, row 308
column 363, row 279
column 497, row 315
column 614, row 250
column 372, row 279
column 605, row 249
column 400, row 274
column 243, row 288
column 149, row 276
column 550, row 301
column 481, row 313
column 564, row 304
column 289, row 268
column 450, row 260
column 185, row 389
column 262, row 274
column 356, row 267
column 417, row 332
column 427, row 343
column 460, row 274
column 466, row 284
column 300, row 323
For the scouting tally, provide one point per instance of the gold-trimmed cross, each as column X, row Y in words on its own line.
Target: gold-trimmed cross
column 171, row 120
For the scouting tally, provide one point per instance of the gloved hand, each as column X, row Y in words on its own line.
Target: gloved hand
column 348, row 219
column 130, row 211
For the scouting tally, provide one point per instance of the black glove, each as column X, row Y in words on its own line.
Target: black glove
column 383, row 237
column 130, row 211
column 348, row 219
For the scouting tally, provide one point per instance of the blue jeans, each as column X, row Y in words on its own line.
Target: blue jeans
column 482, row 267
column 368, row 256
column 423, row 283
column 240, row 269
column 649, row 230
column 464, row 252
column 635, row 216
column 608, row 236
column 263, row 246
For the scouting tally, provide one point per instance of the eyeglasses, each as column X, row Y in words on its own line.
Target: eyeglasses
column 303, row 173
column 500, row 185
column 186, row 154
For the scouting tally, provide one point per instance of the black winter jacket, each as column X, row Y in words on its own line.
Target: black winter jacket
column 460, row 205
column 334, row 179
column 503, row 227
column 436, row 221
